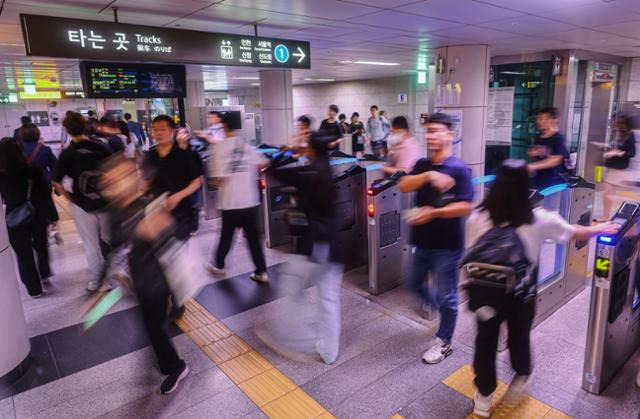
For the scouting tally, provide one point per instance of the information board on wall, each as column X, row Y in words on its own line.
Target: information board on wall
column 633, row 94
column 500, row 116
column 99, row 40
column 115, row 80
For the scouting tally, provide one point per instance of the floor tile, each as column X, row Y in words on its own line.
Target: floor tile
column 7, row 410
column 230, row 404
column 439, row 402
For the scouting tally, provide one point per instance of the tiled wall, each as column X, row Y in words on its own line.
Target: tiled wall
column 355, row 96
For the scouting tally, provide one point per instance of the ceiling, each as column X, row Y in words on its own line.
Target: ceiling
column 340, row 30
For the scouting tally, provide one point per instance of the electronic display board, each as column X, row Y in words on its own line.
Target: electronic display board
column 117, row 80
column 99, row 40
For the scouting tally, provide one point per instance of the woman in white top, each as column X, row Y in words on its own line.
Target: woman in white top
column 507, row 203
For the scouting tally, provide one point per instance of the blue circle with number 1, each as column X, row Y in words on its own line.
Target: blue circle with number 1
column 281, row 53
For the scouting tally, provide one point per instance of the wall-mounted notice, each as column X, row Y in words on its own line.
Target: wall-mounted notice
column 633, row 94
column 39, row 118
column 500, row 116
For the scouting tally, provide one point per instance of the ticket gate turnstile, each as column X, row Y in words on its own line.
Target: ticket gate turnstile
column 613, row 333
column 559, row 283
column 388, row 235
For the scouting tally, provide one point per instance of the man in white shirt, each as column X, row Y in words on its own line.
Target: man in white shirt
column 235, row 171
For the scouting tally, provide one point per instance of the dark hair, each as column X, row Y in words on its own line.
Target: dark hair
column 216, row 113
column 353, row 115
column 228, row 120
column 90, row 113
column 124, row 129
column 373, row 107
column 127, row 116
column 400, row 122
column 334, row 108
column 304, row 119
column 74, row 123
column 628, row 121
column 12, row 159
column 440, row 118
column 342, row 116
column 164, row 118
column 551, row 111
column 508, row 199
column 29, row 133
column 382, row 112
column 25, row 120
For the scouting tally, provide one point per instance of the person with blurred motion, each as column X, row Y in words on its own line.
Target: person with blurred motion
column 549, row 154
column 618, row 175
column 91, row 116
column 344, row 125
column 108, row 132
column 25, row 121
column 145, row 230
column 375, row 132
column 183, row 141
column 386, row 127
column 80, row 161
column 19, row 184
column 169, row 169
column 505, row 210
column 136, row 129
column 356, row 128
column 129, row 139
column 41, row 157
column 315, row 261
column 300, row 139
column 331, row 127
column 404, row 150
column 236, row 176
column 444, row 196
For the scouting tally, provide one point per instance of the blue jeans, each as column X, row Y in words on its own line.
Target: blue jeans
column 442, row 264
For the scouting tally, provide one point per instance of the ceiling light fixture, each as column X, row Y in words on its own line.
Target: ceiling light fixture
column 255, row 84
column 246, row 78
column 375, row 63
column 312, row 79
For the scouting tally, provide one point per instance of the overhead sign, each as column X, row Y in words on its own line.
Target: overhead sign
column 120, row 80
column 98, row 40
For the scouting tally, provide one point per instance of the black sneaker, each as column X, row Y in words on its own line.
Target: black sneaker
column 171, row 382
column 175, row 313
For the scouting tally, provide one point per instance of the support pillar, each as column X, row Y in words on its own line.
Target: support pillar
column 462, row 91
column 14, row 345
column 276, row 98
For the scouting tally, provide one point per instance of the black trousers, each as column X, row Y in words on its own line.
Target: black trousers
column 247, row 219
column 153, row 294
column 519, row 316
column 24, row 241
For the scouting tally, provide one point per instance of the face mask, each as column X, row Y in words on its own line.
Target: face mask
column 394, row 139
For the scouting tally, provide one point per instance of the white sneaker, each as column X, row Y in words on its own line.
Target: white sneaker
column 93, row 285
column 437, row 352
column 518, row 387
column 482, row 405
column 212, row 269
column 263, row 278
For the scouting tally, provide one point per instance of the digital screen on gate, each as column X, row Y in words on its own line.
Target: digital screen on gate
column 115, row 80
column 48, row 36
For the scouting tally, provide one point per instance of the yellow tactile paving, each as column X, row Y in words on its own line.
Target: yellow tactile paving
column 529, row 408
column 246, row 366
column 271, row 390
column 397, row 416
column 226, row 349
column 296, row 404
column 267, row 387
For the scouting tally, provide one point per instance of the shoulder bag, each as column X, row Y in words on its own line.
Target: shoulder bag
column 24, row 213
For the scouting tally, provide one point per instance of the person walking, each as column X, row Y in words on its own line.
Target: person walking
column 617, row 158
column 24, row 122
column 507, row 206
column 444, row 196
column 404, row 150
column 80, row 161
column 136, row 129
column 356, row 128
column 21, row 184
column 236, row 175
column 375, row 132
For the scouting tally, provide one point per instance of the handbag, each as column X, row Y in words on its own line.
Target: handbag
column 24, row 213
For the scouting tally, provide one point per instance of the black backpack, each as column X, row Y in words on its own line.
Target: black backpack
column 496, row 266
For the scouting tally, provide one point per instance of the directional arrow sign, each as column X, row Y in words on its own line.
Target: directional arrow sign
column 300, row 54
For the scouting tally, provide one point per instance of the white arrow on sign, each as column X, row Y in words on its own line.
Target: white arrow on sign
column 300, row 54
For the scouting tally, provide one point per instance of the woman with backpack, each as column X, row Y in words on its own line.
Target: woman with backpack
column 26, row 194
column 506, row 216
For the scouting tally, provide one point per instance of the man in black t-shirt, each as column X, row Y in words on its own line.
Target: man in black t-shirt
column 81, row 161
column 549, row 153
column 169, row 169
column 444, row 195
column 331, row 126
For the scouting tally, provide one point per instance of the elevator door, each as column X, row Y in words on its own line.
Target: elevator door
column 599, row 117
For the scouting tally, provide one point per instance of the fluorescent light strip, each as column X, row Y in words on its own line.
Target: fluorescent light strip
column 255, row 84
column 246, row 78
column 312, row 79
column 375, row 63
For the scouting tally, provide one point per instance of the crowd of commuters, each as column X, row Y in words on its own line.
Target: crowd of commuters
column 138, row 201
